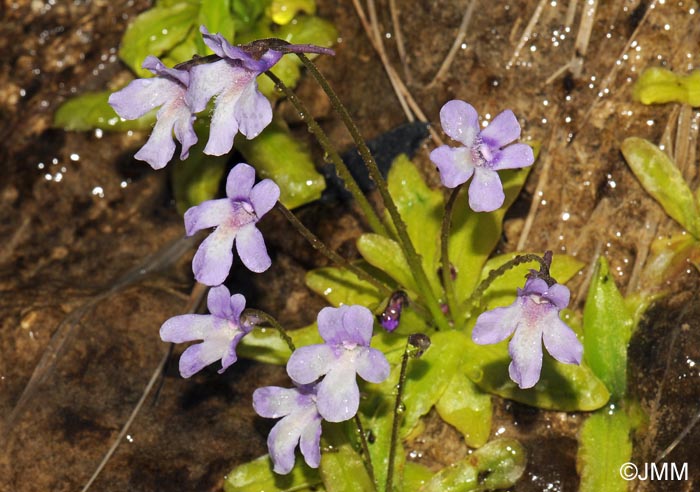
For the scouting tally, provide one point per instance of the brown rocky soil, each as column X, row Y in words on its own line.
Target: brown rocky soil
column 92, row 259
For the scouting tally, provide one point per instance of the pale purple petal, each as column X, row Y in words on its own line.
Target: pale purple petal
column 485, row 191
column 558, row 295
column 338, row 395
column 237, row 306
column 310, row 442
column 346, row 325
column 240, row 182
column 454, row 163
column 281, row 442
column 144, row 95
column 224, row 124
column 497, row 324
column 560, row 340
column 460, row 121
column 219, row 302
column 209, row 79
column 160, row 146
column 212, row 262
column 371, row 365
column 230, row 356
column 198, row 356
column 250, row 245
column 502, row 130
column 526, row 351
column 185, row 134
column 307, row 364
column 264, row 196
column 514, row 156
column 158, row 68
column 252, row 111
column 207, row 214
column 187, row 327
column 535, row 286
column 273, row 401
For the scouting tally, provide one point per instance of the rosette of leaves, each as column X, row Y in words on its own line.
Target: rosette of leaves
column 170, row 31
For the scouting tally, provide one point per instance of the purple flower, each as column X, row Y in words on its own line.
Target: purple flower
column 167, row 91
column 234, row 218
column 220, row 331
column 534, row 317
column 484, row 152
column 232, row 80
column 347, row 331
column 301, row 423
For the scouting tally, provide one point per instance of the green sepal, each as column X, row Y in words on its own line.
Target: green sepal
column 257, row 475
column 277, row 155
column 497, row 465
column 92, row 110
column 607, row 326
column 156, row 31
column 662, row 179
column 604, row 446
column 467, row 408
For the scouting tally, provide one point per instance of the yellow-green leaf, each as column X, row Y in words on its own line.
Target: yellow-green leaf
column 467, row 408
column 257, row 475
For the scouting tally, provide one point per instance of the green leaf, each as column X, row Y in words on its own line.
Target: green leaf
column 156, row 31
column 257, row 475
column 342, row 469
column 660, row 85
column 277, row 155
column 565, row 387
column 607, row 326
column 385, row 254
column 91, row 110
column 216, row 16
column 663, row 180
column 283, row 11
column 428, row 377
column 474, row 235
column 604, row 446
column 308, row 29
column 497, row 465
column 198, row 177
column 287, row 70
column 266, row 345
column 415, row 476
column 464, row 406
column 342, row 287
column 421, row 209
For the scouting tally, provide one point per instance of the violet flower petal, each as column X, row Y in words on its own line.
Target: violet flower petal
column 252, row 111
column 207, row 214
column 199, row 356
column 502, row 130
column 240, row 181
column 307, row 364
column 250, row 245
column 346, row 325
column 525, row 349
column 273, row 402
column 372, row 366
column 338, row 394
column 214, row 257
column 454, row 163
column 310, row 442
column 186, row 328
column 264, row 196
column 514, row 156
column 558, row 295
column 497, row 324
column 485, row 191
column 281, row 443
column 460, row 121
column 560, row 340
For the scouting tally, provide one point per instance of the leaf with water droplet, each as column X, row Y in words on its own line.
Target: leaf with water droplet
column 662, row 179
column 91, row 110
column 257, row 475
column 497, row 465
column 607, row 326
column 283, row 11
column 467, row 408
column 277, row 155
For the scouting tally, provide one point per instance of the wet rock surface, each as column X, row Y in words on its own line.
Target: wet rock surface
column 92, row 259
